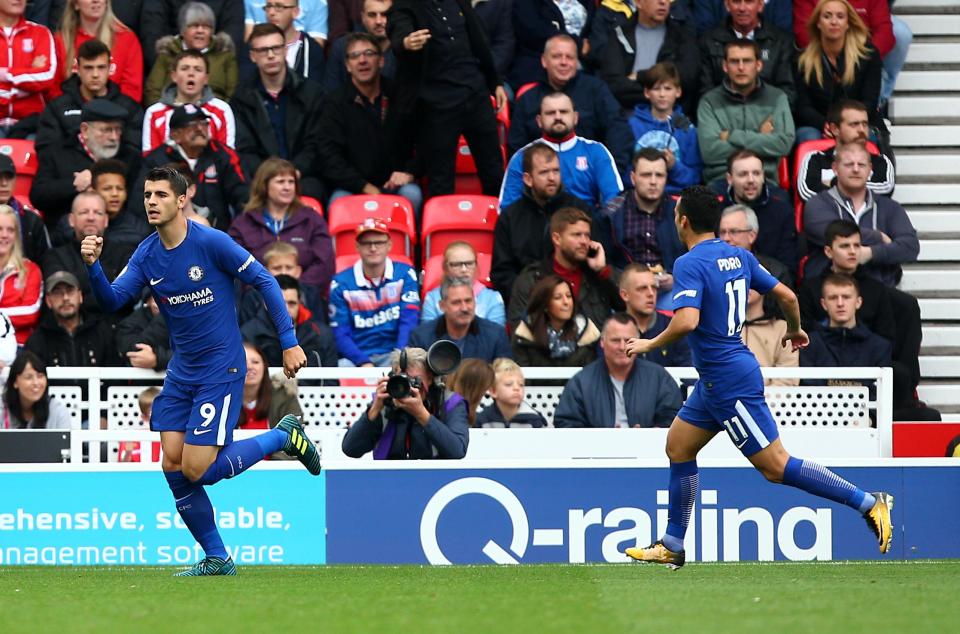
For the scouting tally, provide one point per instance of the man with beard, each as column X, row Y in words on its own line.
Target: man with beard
column 87, row 217
column 374, row 20
column 64, row 169
column 69, row 336
column 222, row 186
column 521, row 235
column 747, row 185
column 578, row 260
column 586, row 167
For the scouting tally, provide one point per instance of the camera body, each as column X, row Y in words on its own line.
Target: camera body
column 401, row 385
column 443, row 357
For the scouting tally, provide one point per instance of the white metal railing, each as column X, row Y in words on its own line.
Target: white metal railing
column 92, row 406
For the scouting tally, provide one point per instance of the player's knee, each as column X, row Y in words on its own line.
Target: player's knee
column 773, row 473
column 192, row 472
column 169, row 465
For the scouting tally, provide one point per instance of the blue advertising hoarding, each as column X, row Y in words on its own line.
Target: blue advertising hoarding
column 129, row 518
column 461, row 516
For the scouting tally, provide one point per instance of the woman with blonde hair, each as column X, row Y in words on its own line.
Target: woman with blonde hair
column 840, row 62
column 85, row 20
column 20, row 279
column 276, row 213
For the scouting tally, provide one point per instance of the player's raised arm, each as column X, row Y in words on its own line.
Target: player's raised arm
column 787, row 300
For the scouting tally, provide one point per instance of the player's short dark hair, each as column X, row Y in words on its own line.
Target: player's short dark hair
column 92, row 49
column 622, row 318
column 835, row 111
column 566, row 216
column 190, row 53
column 840, row 229
column 353, row 38
column 184, row 171
column 661, row 71
column 649, row 154
column 107, row 166
column 741, row 43
column 171, row 175
column 701, row 208
column 742, row 153
column 536, row 149
column 286, row 282
column 840, row 279
column 266, row 28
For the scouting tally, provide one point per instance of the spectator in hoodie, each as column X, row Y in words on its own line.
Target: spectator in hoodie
column 85, row 20
column 308, row 16
column 661, row 124
column 315, row 337
column 509, row 409
column 304, row 53
column 61, row 117
column 190, row 76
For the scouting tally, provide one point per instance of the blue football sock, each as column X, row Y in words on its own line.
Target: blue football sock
column 195, row 509
column 239, row 456
column 684, row 485
column 818, row 480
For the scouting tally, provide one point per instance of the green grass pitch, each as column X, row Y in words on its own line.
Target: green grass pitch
column 770, row 598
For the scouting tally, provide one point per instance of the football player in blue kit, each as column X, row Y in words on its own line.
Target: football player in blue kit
column 190, row 270
column 710, row 287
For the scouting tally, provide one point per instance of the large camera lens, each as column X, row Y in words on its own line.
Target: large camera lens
column 399, row 386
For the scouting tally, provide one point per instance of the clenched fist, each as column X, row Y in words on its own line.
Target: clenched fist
column 90, row 249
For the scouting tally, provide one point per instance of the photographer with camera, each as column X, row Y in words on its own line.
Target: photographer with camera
column 412, row 416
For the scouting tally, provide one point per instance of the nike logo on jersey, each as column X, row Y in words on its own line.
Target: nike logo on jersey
column 740, row 446
column 154, row 282
column 197, row 432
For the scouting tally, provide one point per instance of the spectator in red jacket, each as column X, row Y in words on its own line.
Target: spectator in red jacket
column 85, row 20
column 20, row 278
column 28, row 67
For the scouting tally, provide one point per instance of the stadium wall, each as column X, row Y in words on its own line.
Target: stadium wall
column 489, row 512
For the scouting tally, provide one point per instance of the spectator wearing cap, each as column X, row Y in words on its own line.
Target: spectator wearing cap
column 64, row 169
column 61, row 117
column 375, row 304
column 29, row 69
column 33, row 234
column 222, row 186
column 189, row 86
column 20, row 279
column 69, row 336
column 477, row 338
column 88, row 217
column 278, row 112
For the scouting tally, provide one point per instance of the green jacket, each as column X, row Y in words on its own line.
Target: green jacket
column 221, row 57
column 723, row 109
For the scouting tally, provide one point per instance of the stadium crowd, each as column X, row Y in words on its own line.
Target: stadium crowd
column 584, row 119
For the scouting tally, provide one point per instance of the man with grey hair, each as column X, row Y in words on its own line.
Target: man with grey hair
column 414, row 427
column 477, row 338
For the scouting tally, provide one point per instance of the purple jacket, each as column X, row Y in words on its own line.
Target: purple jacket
column 304, row 229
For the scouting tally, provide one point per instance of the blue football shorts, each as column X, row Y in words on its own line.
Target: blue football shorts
column 737, row 408
column 207, row 413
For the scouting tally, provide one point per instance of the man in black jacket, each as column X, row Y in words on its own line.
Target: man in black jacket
column 446, row 76
column 365, row 145
column 33, row 234
column 522, row 233
column 222, row 185
column 64, row 169
column 61, row 118
column 69, row 336
column 664, row 40
column 374, row 20
column 277, row 111
column 776, row 48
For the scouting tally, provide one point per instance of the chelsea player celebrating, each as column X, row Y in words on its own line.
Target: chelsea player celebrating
column 190, row 270
column 710, row 286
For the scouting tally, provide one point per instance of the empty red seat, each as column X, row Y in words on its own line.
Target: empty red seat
column 456, row 217
column 346, row 213
column 24, row 157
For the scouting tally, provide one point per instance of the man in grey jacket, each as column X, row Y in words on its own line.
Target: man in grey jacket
column 888, row 238
column 617, row 390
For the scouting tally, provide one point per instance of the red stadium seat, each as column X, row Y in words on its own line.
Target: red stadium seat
column 817, row 145
column 346, row 213
column 433, row 272
column 783, row 173
column 24, row 157
column 447, row 219
column 312, row 203
column 344, row 262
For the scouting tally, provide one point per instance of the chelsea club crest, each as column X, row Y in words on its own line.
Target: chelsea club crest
column 195, row 273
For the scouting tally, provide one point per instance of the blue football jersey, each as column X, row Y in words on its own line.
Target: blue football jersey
column 715, row 278
column 193, row 286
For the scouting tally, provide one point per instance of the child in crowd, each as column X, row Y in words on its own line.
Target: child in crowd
column 130, row 451
column 508, row 408
column 661, row 124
